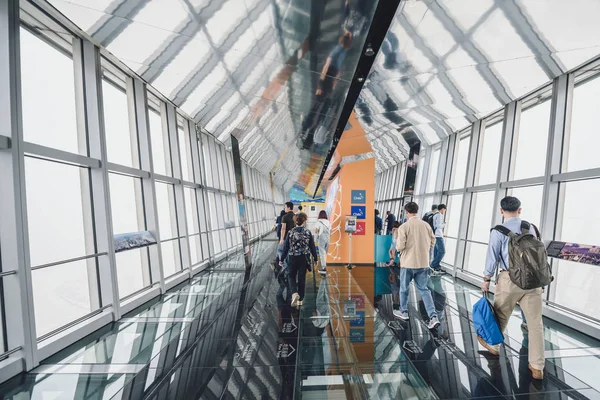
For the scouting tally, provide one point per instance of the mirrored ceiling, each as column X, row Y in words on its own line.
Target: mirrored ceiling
column 275, row 73
column 447, row 63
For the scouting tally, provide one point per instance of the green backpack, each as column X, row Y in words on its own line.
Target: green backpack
column 527, row 257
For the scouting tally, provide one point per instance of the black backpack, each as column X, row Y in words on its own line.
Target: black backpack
column 529, row 267
column 428, row 217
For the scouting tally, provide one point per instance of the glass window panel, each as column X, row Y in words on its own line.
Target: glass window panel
column 61, row 294
column 131, row 265
column 459, row 169
column 584, row 140
column 213, row 211
column 171, row 257
column 482, row 208
column 579, row 225
column 490, row 154
column 207, row 161
column 2, row 344
column 450, row 251
column 186, row 157
column 435, row 162
column 191, row 210
column 203, row 212
column 576, row 285
column 55, row 209
column 124, row 191
column 532, row 142
column 48, row 96
column 160, row 145
column 453, row 212
column 195, row 249
column 426, row 206
column 216, row 242
column 475, row 258
column 165, row 202
column 531, row 203
column 205, row 246
column 121, row 148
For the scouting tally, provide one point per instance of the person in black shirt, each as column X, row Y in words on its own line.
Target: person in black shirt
column 390, row 219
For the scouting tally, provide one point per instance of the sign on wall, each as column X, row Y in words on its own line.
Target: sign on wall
column 359, row 196
column 360, row 212
column 360, row 228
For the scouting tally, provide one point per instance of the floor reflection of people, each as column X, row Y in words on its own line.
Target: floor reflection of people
column 507, row 383
column 287, row 365
column 330, row 74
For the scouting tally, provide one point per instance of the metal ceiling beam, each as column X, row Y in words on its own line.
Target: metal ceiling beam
column 169, row 49
column 119, row 16
column 498, row 88
column 188, row 86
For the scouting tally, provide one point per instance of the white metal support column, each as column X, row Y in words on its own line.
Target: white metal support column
column 511, row 116
column 91, row 124
column 138, row 111
column 476, row 132
column 441, row 173
column 181, row 218
column 560, row 123
column 17, row 286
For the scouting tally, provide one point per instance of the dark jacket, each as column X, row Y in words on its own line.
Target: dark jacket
column 299, row 242
column 378, row 225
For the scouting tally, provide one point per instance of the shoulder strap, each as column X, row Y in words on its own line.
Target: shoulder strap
column 503, row 230
column 525, row 227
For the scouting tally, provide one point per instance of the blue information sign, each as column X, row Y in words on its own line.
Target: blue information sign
column 359, row 197
column 360, row 212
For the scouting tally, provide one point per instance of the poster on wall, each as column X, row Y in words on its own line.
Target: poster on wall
column 360, row 228
column 359, row 196
column 331, row 195
column 575, row 252
column 360, row 212
column 135, row 240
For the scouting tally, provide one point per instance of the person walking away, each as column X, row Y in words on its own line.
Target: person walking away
column 287, row 224
column 501, row 255
column 390, row 219
column 322, row 234
column 378, row 223
column 440, row 247
column 278, row 224
column 393, row 245
column 415, row 239
column 428, row 217
column 299, row 246
column 299, row 210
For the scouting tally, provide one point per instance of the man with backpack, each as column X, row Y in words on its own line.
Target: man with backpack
column 439, row 251
column 520, row 256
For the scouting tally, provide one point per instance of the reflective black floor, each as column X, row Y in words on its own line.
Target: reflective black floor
column 230, row 335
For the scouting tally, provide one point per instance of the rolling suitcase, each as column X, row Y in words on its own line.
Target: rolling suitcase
column 486, row 323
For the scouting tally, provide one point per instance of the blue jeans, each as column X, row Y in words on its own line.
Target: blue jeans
column 438, row 253
column 421, row 278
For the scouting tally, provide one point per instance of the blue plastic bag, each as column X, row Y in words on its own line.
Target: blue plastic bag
column 485, row 322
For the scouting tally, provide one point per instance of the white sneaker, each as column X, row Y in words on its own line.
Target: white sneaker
column 322, row 271
column 295, row 299
column 433, row 323
column 402, row 315
column 436, row 272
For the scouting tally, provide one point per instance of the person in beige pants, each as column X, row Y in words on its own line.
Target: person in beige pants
column 508, row 294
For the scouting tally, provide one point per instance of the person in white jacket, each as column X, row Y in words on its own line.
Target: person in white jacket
column 322, row 234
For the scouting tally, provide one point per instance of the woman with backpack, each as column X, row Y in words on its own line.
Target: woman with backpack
column 299, row 246
column 322, row 234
